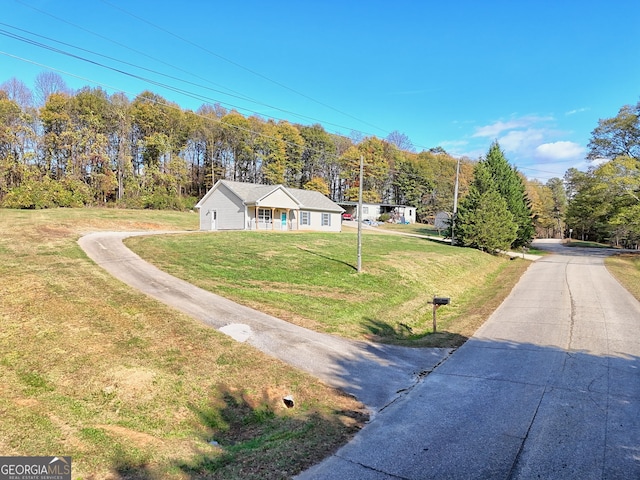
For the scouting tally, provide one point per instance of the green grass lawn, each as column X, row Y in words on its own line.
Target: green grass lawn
column 310, row 279
column 413, row 228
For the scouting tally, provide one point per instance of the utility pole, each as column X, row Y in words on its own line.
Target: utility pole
column 455, row 204
column 360, row 215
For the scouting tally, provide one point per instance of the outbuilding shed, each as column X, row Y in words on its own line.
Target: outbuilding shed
column 250, row 206
column 373, row 211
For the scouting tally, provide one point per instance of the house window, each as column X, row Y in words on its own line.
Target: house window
column 326, row 219
column 264, row 215
column 305, row 218
column 365, row 210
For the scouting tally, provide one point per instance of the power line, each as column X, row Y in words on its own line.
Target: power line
column 240, row 95
column 169, row 105
column 121, row 61
column 127, row 47
column 177, row 90
column 236, row 64
column 190, row 73
column 235, row 94
column 169, row 87
column 208, row 118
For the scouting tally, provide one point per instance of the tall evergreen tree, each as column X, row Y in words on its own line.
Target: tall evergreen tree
column 510, row 186
column 490, row 227
column 475, row 219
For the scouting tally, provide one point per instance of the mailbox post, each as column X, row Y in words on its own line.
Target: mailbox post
column 437, row 303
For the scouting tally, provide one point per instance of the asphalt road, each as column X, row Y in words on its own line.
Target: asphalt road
column 548, row 388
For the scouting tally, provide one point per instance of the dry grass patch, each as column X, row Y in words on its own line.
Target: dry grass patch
column 130, row 388
column 626, row 269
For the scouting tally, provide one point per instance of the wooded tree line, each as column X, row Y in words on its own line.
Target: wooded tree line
column 604, row 201
column 601, row 204
column 91, row 148
column 64, row 148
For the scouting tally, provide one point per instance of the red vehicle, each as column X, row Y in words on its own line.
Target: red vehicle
column 347, row 216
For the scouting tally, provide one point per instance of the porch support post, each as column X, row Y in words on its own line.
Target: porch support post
column 273, row 213
column 256, row 219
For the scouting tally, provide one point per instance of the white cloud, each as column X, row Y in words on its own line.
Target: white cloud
column 560, row 151
column 521, row 141
column 533, row 144
column 498, row 127
column 577, row 110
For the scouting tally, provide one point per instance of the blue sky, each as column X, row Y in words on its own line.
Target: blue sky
column 534, row 75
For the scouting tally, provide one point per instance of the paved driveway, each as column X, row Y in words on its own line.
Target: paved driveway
column 548, row 388
column 376, row 374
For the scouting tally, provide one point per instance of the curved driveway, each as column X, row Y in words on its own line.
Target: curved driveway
column 376, row 374
column 548, row 387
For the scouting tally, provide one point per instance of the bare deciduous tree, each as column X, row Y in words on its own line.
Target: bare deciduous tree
column 47, row 83
column 18, row 92
column 401, row 141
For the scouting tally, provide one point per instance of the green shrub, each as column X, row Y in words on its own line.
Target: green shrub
column 48, row 193
column 157, row 201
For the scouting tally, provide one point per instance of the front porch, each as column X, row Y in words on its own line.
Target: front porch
column 272, row 218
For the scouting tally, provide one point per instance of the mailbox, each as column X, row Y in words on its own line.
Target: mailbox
column 441, row 300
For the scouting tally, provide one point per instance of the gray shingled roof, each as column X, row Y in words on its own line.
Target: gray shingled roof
column 315, row 200
column 250, row 193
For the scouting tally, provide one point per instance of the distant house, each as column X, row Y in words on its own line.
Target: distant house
column 373, row 211
column 249, row 206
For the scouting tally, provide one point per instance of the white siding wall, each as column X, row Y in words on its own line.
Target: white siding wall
column 230, row 210
column 409, row 214
column 316, row 222
column 280, row 199
column 370, row 211
column 232, row 214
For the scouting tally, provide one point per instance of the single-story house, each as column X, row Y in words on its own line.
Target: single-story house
column 249, row 206
column 373, row 211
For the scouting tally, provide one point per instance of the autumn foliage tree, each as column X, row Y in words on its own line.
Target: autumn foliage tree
column 604, row 201
column 91, row 148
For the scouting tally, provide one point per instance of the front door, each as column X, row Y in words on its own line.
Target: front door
column 213, row 216
column 283, row 221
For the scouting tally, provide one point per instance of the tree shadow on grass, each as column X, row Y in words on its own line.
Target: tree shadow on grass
column 327, row 258
column 266, row 437
column 126, row 469
column 491, row 386
column 404, row 335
